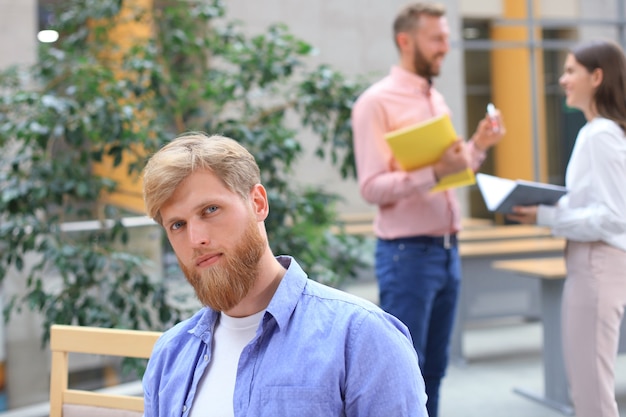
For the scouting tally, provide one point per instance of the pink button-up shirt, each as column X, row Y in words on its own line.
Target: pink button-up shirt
column 406, row 207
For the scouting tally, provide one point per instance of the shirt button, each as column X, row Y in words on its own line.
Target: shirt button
column 401, row 246
column 184, row 408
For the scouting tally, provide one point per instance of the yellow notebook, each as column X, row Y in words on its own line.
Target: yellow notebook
column 422, row 144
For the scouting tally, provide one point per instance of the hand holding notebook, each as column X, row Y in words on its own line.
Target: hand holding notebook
column 502, row 194
column 423, row 144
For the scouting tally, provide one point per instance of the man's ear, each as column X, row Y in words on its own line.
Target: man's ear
column 259, row 202
column 403, row 40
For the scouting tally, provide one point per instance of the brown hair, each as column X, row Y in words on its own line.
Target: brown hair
column 408, row 16
column 610, row 96
column 190, row 152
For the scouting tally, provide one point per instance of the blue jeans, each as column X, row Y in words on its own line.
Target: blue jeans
column 419, row 281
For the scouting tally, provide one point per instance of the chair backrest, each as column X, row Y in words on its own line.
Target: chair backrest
column 65, row 402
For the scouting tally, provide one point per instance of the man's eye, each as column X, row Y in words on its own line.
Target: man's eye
column 176, row 225
column 210, row 209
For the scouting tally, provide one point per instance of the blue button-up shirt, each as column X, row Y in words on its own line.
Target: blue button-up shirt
column 318, row 352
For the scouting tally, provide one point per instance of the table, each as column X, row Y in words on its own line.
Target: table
column 361, row 224
column 503, row 232
column 486, row 248
column 487, row 295
column 551, row 271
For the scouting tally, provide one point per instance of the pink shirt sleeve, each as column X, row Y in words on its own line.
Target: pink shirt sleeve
column 380, row 184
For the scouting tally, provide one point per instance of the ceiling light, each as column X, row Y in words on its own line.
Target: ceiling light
column 47, row 36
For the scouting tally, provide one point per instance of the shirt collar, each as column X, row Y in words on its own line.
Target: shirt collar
column 409, row 79
column 288, row 293
column 204, row 326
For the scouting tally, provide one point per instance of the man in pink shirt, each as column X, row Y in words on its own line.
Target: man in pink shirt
column 417, row 261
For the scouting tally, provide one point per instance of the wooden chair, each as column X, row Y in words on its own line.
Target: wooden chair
column 65, row 402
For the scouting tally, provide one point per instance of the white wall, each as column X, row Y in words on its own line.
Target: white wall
column 599, row 9
column 26, row 360
column 18, row 25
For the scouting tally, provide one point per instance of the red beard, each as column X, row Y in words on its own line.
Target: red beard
column 224, row 285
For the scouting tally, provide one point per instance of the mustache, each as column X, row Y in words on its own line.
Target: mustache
column 198, row 253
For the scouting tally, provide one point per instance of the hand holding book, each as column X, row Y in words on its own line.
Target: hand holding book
column 431, row 142
column 502, row 194
column 454, row 159
column 523, row 214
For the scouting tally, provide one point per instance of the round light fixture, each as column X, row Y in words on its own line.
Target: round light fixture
column 47, row 36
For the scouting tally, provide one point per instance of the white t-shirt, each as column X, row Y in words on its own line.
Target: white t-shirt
column 214, row 397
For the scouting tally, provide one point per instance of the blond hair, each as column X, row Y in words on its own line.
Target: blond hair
column 193, row 151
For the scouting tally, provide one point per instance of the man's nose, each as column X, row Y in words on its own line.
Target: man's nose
column 198, row 234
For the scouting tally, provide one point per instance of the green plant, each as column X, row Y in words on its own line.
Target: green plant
column 88, row 98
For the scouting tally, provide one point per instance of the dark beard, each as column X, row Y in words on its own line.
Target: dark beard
column 222, row 287
column 422, row 66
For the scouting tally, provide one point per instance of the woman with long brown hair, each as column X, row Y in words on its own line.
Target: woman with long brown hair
column 592, row 217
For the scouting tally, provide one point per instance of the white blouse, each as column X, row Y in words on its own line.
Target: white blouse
column 594, row 208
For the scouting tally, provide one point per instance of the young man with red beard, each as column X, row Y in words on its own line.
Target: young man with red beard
column 269, row 341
